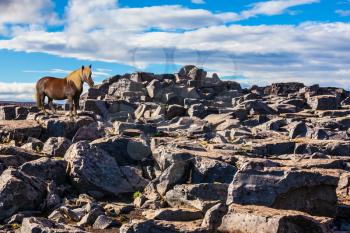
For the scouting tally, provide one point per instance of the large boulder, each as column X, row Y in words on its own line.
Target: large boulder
column 124, row 150
column 127, row 89
column 90, row 132
column 154, row 89
column 56, row 146
column 14, row 157
column 142, row 77
column 197, row 75
column 7, row 112
column 255, row 107
column 97, row 106
column 297, row 129
column 158, row 226
column 207, row 170
column 19, row 192
column 258, row 219
column 147, row 128
column 175, row 111
column 47, row 169
column 173, row 214
column 21, row 113
column 92, row 170
column 197, row 110
column 120, row 110
column 198, row 196
column 62, row 126
column 282, row 188
column 323, row 102
column 283, row 89
column 177, row 173
column 19, row 130
column 43, row 225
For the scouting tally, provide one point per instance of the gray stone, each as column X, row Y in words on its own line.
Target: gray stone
column 255, row 107
column 104, row 222
column 213, row 217
column 148, row 129
column 134, row 177
column 254, row 219
column 19, row 192
column 93, row 212
column 7, row 112
column 198, row 196
column 90, row 132
column 56, row 146
column 175, row 111
column 339, row 148
column 185, row 70
column 176, row 173
column 207, row 170
column 43, row 225
column 63, row 126
column 275, row 124
column 142, row 77
column 139, row 201
column 124, row 150
column 97, row 106
column 197, row 110
column 21, row 113
column 298, row 129
column 311, row 192
column 173, row 214
column 33, row 144
column 92, row 169
column 19, row 130
column 323, row 102
column 154, row 89
column 47, row 169
column 157, row 226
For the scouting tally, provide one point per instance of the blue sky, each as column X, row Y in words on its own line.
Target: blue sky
column 254, row 42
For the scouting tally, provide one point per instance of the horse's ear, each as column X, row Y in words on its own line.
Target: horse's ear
column 90, row 66
column 82, row 67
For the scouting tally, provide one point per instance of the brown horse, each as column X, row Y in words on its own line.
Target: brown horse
column 69, row 88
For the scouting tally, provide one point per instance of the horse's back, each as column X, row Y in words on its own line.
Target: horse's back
column 45, row 81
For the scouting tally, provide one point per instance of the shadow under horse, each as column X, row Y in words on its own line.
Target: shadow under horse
column 69, row 88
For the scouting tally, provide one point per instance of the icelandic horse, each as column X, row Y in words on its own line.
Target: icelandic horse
column 69, row 88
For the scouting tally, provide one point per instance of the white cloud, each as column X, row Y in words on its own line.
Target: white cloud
column 310, row 52
column 26, row 12
column 99, row 73
column 17, row 91
column 273, row 7
column 198, row 1
column 343, row 13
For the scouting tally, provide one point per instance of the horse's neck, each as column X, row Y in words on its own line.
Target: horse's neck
column 75, row 77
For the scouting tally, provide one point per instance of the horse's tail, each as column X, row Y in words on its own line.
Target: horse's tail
column 38, row 97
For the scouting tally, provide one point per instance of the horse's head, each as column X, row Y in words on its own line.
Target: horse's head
column 86, row 75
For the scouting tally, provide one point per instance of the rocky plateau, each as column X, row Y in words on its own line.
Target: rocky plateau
column 184, row 152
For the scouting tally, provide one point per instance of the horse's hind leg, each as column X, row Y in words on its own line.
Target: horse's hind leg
column 52, row 107
column 42, row 99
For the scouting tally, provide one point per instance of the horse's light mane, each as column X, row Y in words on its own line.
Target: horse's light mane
column 75, row 77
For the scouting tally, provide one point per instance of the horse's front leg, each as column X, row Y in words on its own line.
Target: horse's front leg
column 76, row 106
column 70, row 102
column 51, row 106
